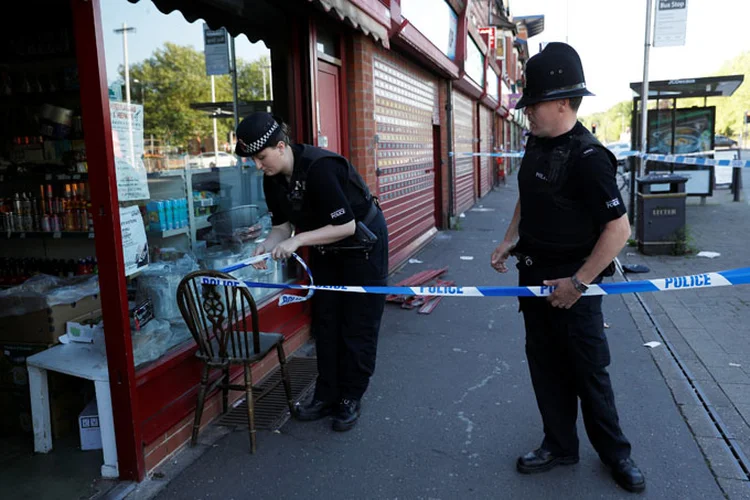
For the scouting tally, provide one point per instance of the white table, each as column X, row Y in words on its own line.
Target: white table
column 82, row 361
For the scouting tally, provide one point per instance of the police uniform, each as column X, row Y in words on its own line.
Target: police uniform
column 568, row 193
column 325, row 189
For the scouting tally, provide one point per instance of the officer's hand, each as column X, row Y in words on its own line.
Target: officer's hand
column 565, row 294
column 260, row 250
column 500, row 255
column 285, row 249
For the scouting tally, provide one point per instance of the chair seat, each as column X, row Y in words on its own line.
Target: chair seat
column 267, row 342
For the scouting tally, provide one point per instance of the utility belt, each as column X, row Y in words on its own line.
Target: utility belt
column 539, row 263
column 363, row 240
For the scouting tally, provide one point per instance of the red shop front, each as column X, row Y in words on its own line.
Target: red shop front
column 63, row 65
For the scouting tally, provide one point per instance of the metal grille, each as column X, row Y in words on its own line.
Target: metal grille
column 404, row 110
column 485, row 163
column 272, row 411
column 463, row 127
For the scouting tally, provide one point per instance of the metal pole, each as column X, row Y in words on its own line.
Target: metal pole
column 216, row 137
column 124, row 31
column 235, row 104
column 270, row 80
column 265, row 95
column 644, row 110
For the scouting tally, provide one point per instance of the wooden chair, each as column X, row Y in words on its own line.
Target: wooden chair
column 218, row 317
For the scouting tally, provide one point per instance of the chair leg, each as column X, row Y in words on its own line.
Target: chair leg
column 250, row 406
column 225, row 390
column 285, row 376
column 199, row 406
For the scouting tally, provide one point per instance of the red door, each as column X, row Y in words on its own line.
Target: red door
column 329, row 107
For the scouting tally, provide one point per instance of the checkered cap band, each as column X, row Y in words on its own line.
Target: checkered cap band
column 258, row 144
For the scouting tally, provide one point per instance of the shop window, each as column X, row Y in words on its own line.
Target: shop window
column 199, row 205
column 328, row 46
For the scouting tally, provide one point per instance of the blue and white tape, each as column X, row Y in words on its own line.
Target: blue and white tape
column 732, row 277
column 679, row 159
column 283, row 299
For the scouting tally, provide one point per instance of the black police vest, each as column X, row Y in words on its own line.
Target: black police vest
column 296, row 195
column 556, row 224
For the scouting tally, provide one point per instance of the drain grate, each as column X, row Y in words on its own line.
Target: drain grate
column 272, row 411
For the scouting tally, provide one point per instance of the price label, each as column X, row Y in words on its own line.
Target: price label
column 91, row 236
column 57, row 235
column 22, row 236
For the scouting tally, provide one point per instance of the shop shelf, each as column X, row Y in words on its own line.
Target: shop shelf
column 80, row 235
column 202, row 222
column 170, row 232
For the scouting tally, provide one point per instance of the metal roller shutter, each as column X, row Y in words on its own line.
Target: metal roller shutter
column 463, row 131
column 404, row 108
column 485, row 162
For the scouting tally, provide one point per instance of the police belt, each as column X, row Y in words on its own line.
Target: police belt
column 363, row 240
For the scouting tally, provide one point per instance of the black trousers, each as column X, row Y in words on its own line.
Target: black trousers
column 345, row 325
column 568, row 355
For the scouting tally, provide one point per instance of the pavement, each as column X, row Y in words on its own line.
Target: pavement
column 451, row 406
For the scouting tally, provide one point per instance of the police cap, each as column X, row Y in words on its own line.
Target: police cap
column 554, row 73
column 255, row 133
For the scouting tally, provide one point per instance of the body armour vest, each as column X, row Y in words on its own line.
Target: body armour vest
column 356, row 191
column 555, row 222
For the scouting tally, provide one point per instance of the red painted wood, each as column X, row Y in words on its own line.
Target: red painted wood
column 329, row 105
column 102, row 179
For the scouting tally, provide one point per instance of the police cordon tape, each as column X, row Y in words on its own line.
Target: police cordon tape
column 283, row 299
column 733, row 277
column 680, row 159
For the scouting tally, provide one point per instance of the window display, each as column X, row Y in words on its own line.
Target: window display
column 202, row 207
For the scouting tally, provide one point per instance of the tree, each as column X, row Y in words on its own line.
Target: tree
column 730, row 111
column 173, row 78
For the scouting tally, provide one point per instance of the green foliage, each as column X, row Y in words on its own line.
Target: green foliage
column 173, row 78
column 729, row 110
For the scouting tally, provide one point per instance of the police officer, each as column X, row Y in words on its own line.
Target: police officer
column 317, row 199
column 568, row 226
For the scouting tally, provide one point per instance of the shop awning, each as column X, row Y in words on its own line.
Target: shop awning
column 264, row 20
column 712, row 86
column 534, row 24
column 356, row 18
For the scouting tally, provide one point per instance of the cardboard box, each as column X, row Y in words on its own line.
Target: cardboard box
column 88, row 426
column 78, row 332
column 45, row 325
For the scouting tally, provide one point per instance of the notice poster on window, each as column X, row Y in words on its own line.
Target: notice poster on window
column 127, row 137
column 134, row 243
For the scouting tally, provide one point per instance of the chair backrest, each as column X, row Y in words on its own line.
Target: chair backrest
column 217, row 317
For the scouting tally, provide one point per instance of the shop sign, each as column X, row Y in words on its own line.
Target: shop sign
column 127, row 138
column 436, row 20
column 490, row 37
column 671, row 23
column 475, row 62
column 134, row 242
column 216, row 51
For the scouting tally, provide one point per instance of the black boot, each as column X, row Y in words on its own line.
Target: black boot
column 541, row 460
column 314, row 410
column 629, row 476
column 347, row 415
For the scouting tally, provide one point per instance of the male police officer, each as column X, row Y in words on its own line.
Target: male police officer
column 570, row 223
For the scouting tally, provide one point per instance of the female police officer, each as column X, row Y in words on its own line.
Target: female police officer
column 317, row 199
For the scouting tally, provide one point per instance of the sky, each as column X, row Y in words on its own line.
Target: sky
column 153, row 29
column 609, row 35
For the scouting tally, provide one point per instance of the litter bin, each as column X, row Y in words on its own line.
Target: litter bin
column 660, row 229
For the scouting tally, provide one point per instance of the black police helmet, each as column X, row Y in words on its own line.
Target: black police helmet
column 256, row 132
column 554, row 73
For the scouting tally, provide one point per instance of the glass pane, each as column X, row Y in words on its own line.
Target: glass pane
column 202, row 207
